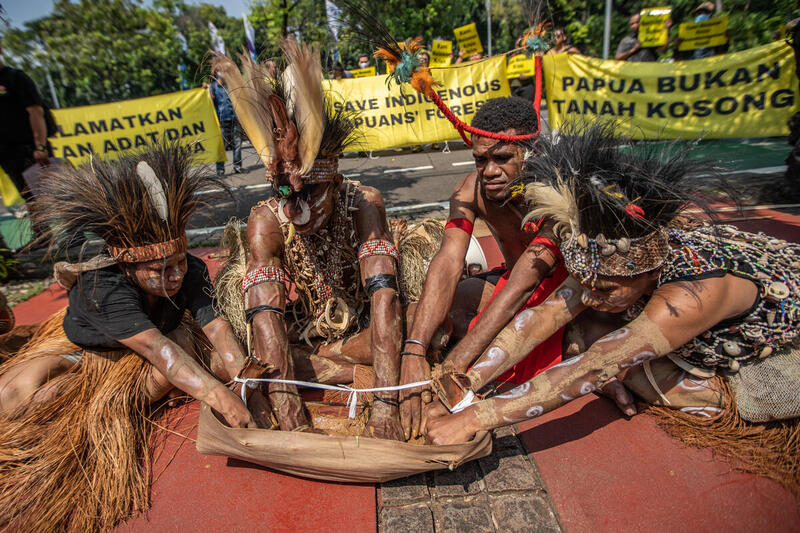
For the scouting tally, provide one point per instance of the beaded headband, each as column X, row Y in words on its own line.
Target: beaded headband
column 323, row 171
column 149, row 252
column 587, row 258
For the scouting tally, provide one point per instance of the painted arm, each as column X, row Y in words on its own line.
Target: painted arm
column 676, row 313
column 182, row 371
column 225, row 343
column 386, row 314
column 270, row 342
column 444, row 274
column 533, row 266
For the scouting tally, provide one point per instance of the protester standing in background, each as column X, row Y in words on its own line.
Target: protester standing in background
column 561, row 43
column 231, row 131
column 338, row 72
column 23, row 137
column 630, row 48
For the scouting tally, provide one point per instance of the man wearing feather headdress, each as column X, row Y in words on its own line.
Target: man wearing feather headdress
column 708, row 315
column 73, row 401
column 328, row 236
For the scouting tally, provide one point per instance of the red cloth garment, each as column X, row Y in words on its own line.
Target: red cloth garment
column 548, row 353
column 460, row 223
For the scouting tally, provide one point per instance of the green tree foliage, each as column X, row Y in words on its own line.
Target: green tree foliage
column 105, row 50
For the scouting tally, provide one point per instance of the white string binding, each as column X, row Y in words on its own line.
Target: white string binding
column 465, row 402
column 352, row 399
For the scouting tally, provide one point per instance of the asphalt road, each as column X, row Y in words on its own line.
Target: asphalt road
column 404, row 178
column 410, row 179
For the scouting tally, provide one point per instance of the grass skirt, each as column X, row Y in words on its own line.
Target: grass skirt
column 771, row 449
column 81, row 460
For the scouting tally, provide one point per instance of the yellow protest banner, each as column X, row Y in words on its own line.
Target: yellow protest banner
column 9, row 192
column 711, row 32
column 652, row 29
column 108, row 130
column 468, row 39
column 441, row 53
column 734, row 95
column 390, row 118
column 520, row 65
column 363, row 72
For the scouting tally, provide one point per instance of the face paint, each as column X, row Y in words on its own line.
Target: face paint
column 305, row 214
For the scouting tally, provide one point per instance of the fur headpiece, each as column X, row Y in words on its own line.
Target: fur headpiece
column 295, row 131
column 138, row 204
column 611, row 200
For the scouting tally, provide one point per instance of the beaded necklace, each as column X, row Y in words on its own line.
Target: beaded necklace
column 772, row 264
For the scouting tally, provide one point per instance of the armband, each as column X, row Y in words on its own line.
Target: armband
column 251, row 313
column 267, row 274
column 460, row 223
column 378, row 247
column 380, row 281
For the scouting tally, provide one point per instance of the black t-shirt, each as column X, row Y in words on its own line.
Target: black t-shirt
column 17, row 93
column 105, row 306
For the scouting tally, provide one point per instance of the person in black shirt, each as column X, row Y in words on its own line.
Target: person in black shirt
column 139, row 321
column 23, row 137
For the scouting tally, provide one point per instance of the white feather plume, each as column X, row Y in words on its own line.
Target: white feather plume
column 303, row 81
column 154, row 189
column 556, row 202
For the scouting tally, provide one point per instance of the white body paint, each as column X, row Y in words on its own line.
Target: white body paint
column 494, row 357
column 534, row 411
column 621, row 333
column 569, row 362
column 639, row 358
column 167, row 355
column 707, row 412
column 516, row 392
column 522, row 319
column 565, row 293
column 691, row 383
column 513, row 420
column 588, row 387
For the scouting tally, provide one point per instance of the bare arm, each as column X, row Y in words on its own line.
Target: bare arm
column 675, row 314
column 221, row 335
column 624, row 55
column 270, row 343
column 182, row 371
column 386, row 316
column 534, row 265
column 39, row 128
column 444, row 274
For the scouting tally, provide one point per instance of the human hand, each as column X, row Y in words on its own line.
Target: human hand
column 384, row 423
column 668, row 23
column 230, row 406
column 41, row 157
column 412, row 369
column 620, row 395
column 432, row 410
column 453, row 429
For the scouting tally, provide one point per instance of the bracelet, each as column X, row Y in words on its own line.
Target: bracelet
column 415, row 354
column 420, row 343
column 387, row 401
column 251, row 313
column 40, row 148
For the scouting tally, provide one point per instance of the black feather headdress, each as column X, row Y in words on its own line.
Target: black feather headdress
column 140, row 199
column 611, row 199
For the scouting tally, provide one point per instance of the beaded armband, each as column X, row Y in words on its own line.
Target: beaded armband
column 378, row 247
column 267, row 274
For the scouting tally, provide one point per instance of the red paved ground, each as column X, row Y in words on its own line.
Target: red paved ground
column 603, row 473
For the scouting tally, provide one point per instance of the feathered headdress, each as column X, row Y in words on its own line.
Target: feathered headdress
column 610, row 199
column 402, row 60
column 138, row 204
column 286, row 116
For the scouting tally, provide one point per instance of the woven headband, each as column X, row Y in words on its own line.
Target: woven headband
column 587, row 258
column 149, row 252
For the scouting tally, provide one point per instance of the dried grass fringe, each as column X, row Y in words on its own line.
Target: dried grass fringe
column 771, row 450
column 80, row 461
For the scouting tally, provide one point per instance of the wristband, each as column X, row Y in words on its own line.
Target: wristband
column 412, row 353
column 40, row 148
column 418, row 343
column 251, row 313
